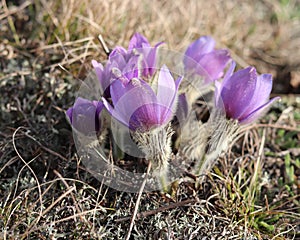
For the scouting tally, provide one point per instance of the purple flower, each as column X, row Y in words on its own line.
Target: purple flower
column 200, row 58
column 244, row 95
column 138, row 106
column 127, row 61
column 149, row 59
column 84, row 115
column 103, row 75
column 127, row 65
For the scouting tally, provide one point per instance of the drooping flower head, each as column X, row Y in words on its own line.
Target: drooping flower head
column 84, row 115
column 244, row 95
column 202, row 59
column 140, row 107
column 139, row 60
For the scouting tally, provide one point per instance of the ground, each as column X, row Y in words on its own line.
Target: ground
column 47, row 193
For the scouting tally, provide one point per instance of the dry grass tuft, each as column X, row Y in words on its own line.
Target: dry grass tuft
column 265, row 34
column 261, row 33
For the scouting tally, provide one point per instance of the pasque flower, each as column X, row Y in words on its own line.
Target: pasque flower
column 138, row 61
column 149, row 54
column 202, row 59
column 127, row 65
column 84, row 115
column 244, row 95
column 139, row 106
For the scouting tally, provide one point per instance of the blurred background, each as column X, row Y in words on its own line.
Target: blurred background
column 263, row 33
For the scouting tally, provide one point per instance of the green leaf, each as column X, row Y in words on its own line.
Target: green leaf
column 269, row 228
column 290, row 171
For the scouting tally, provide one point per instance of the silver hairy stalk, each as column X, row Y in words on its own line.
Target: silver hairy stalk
column 193, row 138
column 156, row 145
column 223, row 132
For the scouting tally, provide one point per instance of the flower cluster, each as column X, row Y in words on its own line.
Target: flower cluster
column 144, row 96
column 138, row 61
column 138, row 106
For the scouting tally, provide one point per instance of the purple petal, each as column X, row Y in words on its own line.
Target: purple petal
column 102, row 76
column 258, row 112
column 117, row 90
column 137, row 41
column 98, row 68
column 211, row 65
column 142, row 46
column 69, row 114
column 151, row 60
column 166, row 89
column 81, row 101
column 99, row 106
column 178, row 81
column 261, row 94
column 114, row 113
column 237, row 92
column 147, row 117
column 158, row 44
column 131, row 69
column 84, row 117
column 229, row 73
column 118, row 58
column 199, row 47
column 218, row 86
column 135, row 95
column 137, row 106
column 117, row 51
column 182, row 110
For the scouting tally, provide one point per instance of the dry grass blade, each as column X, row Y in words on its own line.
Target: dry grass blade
column 14, row 10
column 73, row 198
column 33, row 173
column 160, row 209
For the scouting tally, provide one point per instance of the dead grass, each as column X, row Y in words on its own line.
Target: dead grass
column 45, row 191
column 261, row 33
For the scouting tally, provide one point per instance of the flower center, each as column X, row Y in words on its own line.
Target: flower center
column 119, row 75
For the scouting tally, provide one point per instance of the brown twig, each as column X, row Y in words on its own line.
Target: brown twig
column 46, row 149
column 277, row 126
column 160, row 209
